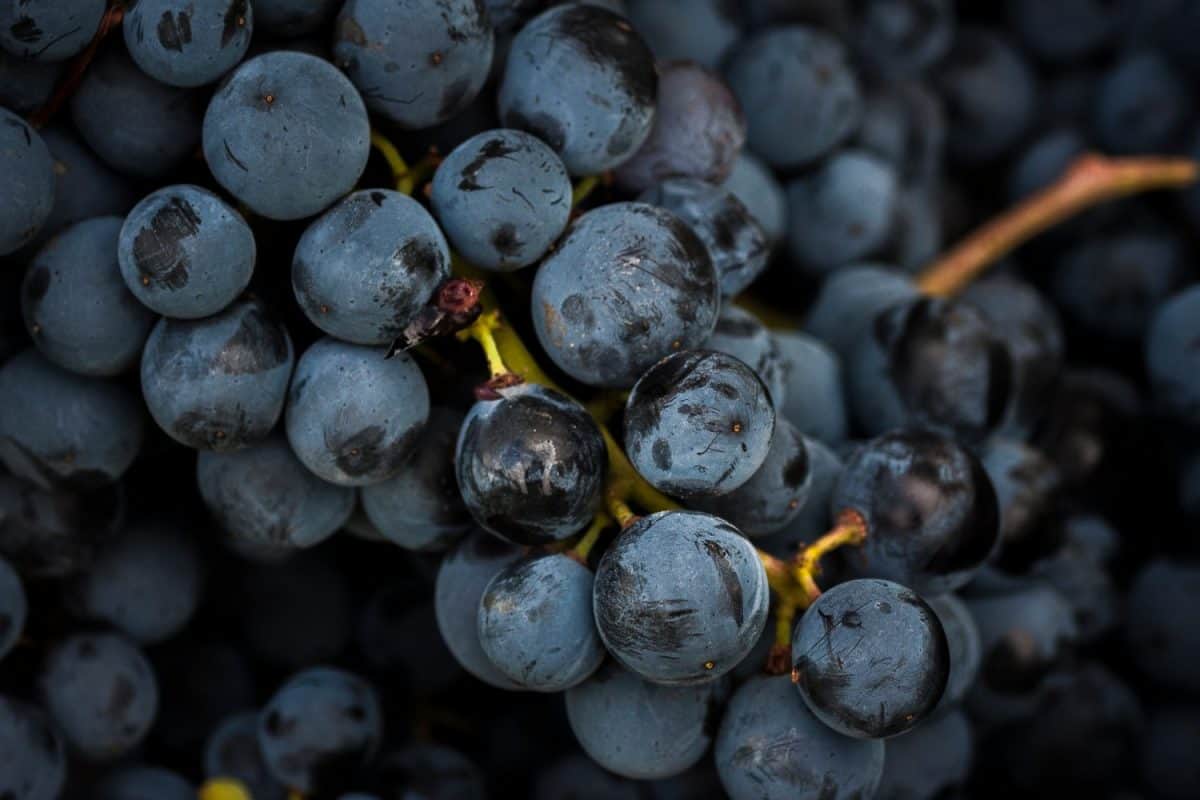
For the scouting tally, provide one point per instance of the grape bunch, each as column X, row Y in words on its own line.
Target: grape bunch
column 599, row 399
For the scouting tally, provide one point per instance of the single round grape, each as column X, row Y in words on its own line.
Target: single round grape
column 904, row 124
column 811, row 374
column 320, row 716
column 364, row 269
column 1027, row 488
column 771, row 747
column 736, row 244
column 183, row 43
column 158, row 126
column 77, row 309
column 13, row 608
column 1158, row 633
column 903, row 37
column 698, row 423
column 26, row 86
column 742, row 335
column 1171, row 361
column 232, row 751
column 799, row 93
column 774, row 495
column 849, row 301
column 530, row 465
column 49, row 30
column 930, row 510
column 57, row 533
column 353, row 416
column 990, row 94
column 842, row 212
column 61, row 430
column 218, row 383
column 418, row 63
column 680, row 597
column 756, row 186
column 421, row 508
column 33, row 760
column 931, row 760
column 698, row 132
column 536, row 623
column 101, row 692
column 871, row 657
column 627, row 285
column 146, row 583
column 463, row 575
column 563, row 59
column 287, row 134
column 27, row 194
column 813, row 518
column 503, row 198
column 262, row 494
column 895, row 381
column 85, row 187
column 963, row 643
column 639, row 729
column 185, row 253
column 686, row 30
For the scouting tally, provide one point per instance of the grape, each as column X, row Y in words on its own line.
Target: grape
column 77, row 309
column 698, row 129
column 530, row 465
column 771, row 747
column 25, row 86
column 185, row 253
column 849, row 301
column 1030, row 327
column 685, row 30
column 698, row 423
column 13, row 608
column 503, row 198
column 842, row 212
column 418, row 62
column 627, row 285
column 287, row 134
column 990, row 94
column 263, row 495
column 931, row 760
column 799, row 93
column 641, row 730
column 811, row 374
column 464, row 574
column 85, row 186
column 319, row 718
column 1170, row 358
column 680, row 598
column 740, row 334
column 420, row 508
column 61, row 430
column 871, row 657
column 145, row 584
column 736, row 244
column 903, row 37
column 756, row 186
column 813, row 517
column 158, row 125
column 54, row 534
column 180, row 44
column 930, row 510
column 296, row 613
column 27, row 194
column 232, row 751
column 33, row 761
column 904, row 124
column 292, row 18
column 774, row 495
column 218, row 383
column 535, row 623
column 101, row 692
column 1141, row 105
column 363, row 270
column 48, row 30
column 894, row 380
column 354, row 417
column 558, row 63
column 135, row 783
column 1172, row 736
column 1158, row 633
column 1027, row 484
column 964, row 648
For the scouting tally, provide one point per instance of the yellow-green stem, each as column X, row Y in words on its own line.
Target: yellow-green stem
column 604, row 405
column 850, row 530
column 583, row 547
column 223, row 789
column 483, row 332
column 584, row 188
column 391, row 155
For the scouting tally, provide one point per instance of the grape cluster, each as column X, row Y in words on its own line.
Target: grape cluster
column 573, row 399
